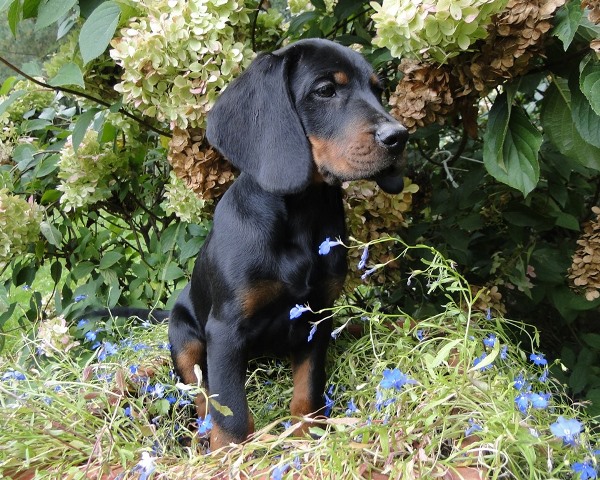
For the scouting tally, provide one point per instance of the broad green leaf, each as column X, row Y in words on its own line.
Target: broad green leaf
column 557, row 121
column 15, row 13
column 98, row 30
column 51, row 233
column 585, row 119
column 31, row 8
column 511, row 146
column 589, row 82
column 69, row 74
column 567, row 21
column 109, row 259
column 49, row 11
column 12, row 98
column 81, row 126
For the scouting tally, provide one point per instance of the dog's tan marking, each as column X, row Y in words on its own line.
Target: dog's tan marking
column 259, row 295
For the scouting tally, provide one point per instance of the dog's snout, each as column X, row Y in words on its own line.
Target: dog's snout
column 392, row 136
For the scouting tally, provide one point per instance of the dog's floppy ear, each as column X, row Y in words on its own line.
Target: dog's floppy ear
column 254, row 124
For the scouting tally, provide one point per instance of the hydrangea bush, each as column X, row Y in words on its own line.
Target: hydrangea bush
column 176, row 56
column 19, row 226
column 436, row 29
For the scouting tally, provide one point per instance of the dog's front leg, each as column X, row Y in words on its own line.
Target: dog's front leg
column 308, row 369
column 227, row 363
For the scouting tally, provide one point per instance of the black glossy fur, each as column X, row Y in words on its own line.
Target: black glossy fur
column 297, row 123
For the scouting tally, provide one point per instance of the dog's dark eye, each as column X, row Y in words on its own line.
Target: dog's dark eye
column 325, row 90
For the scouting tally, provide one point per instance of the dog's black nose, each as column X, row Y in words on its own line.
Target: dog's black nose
column 392, row 136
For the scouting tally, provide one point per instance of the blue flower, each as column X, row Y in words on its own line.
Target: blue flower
column 326, row 245
column 488, row 314
column 312, row 332
column 395, row 379
column 367, row 273
column 473, row 427
column 91, row 335
column 278, row 471
column 544, row 376
column 80, row 298
column 520, row 383
column 81, row 324
column 351, row 408
column 490, row 340
column 329, row 402
column 539, row 400
column 204, row 424
column 538, row 359
column 127, row 412
column 106, row 350
column 522, row 401
column 585, row 470
column 297, row 311
column 287, row 424
column 363, row 258
column 12, row 375
column 504, row 352
column 420, row 335
column 566, row 428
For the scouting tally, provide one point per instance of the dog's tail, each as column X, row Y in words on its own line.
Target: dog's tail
column 146, row 314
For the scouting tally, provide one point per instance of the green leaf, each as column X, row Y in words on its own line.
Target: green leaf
column 585, row 119
column 49, row 11
column 557, row 121
column 51, row 233
column 511, row 146
column 109, row 259
column 10, row 100
column 30, row 8
column 172, row 272
column 14, row 16
column 98, row 30
column 222, row 409
column 50, row 196
column 567, row 22
column 589, row 82
column 81, row 126
column 69, row 74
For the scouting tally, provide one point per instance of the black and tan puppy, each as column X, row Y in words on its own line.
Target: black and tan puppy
column 296, row 123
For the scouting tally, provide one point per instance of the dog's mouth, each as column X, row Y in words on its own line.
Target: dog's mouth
column 390, row 180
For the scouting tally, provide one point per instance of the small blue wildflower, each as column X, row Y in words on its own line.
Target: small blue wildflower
column 287, row 424
column 585, row 470
column 133, row 369
column 351, row 408
column 297, row 463
column 520, row 383
column 326, row 245
column 12, row 375
column 337, row 332
column 297, row 311
column 395, row 379
column 473, row 427
column 420, row 335
column 539, row 400
column 159, row 390
column 145, row 466
column 91, row 335
column 544, row 376
column 172, row 399
column 522, row 402
column 363, row 258
column 140, row 346
column 367, row 273
column 488, row 314
column 504, row 352
column 107, row 350
column 480, row 359
column 490, row 340
column 81, row 324
column 204, row 424
column 278, row 471
column 566, row 428
column 127, row 412
column 26, row 288
column 329, row 401
column 312, row 332
column 80, row 298
column 538, row 359
column 381, row 402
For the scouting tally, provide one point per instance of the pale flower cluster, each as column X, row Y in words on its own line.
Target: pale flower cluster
column 437, row 29
column 88, row 174
column 19, row 225
column 178, row 54
column 181, row 200
column 54, row 337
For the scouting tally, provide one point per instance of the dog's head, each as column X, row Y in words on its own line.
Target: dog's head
column 306, row 113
